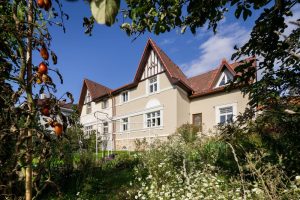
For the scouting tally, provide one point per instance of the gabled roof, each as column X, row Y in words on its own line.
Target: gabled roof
column 96, row 91
column 204, row 84
column 174, row 73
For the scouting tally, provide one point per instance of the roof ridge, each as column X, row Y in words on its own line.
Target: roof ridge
column 217, row 68
column 172, row 68
column 97, row 84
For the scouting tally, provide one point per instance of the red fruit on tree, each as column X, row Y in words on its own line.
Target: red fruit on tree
column 40, row 3
column 43, row 69
column 44, row 53
column 45, row 111
column 48, row 4
column 58, row 129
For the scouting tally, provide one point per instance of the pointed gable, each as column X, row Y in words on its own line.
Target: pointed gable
column 206, row 83
column 225, row 69
column 154, row 60
column 95, row 90
column 153, row 66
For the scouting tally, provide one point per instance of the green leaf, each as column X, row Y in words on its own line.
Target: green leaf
column 105, row 11
column 238, row 11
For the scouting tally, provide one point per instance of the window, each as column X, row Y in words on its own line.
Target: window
column 225, row 78
column 124, row 96
column 124, row 124
column 153, row 84
column 153, row 119
column 87, row 97
column 88, row 130
column 104, row 104
column 105, row 127
column 226, row 114
column 88, row 108
column 88, row 103
column 223, row 81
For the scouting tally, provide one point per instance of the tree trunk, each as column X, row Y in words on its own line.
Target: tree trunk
column 28, row 171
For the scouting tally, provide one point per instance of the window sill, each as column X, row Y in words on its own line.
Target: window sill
column 153, row 93
column 153, row 128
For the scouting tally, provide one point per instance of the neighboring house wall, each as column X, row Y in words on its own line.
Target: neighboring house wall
column 209, row 105
column 91, row 123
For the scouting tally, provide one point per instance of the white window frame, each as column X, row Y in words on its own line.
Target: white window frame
column 155, row 117
column 149, row 84
column 88, row 108
column 88, row 103
column 122, row 97
column 87, row 97
column 105, row 127
column 122, row 123
column 234, row 111
column 227, row 77
column 88, row 130
column 104, row 104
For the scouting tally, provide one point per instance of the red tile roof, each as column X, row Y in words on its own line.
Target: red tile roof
column 173, row 70
column 96, row 91
column 174, row 73
column 204, row 84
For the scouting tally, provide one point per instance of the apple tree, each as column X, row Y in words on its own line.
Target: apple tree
column 29, row 125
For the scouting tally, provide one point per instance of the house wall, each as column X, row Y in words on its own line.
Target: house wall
column 139, row 104
column 90, row 120
column 207, row 106
column 183, row 107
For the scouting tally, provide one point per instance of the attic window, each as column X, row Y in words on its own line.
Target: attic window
column 225, row 78
column 87, row 97
column 88, row 103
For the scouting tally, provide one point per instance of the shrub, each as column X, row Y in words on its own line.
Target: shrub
column 209, row 169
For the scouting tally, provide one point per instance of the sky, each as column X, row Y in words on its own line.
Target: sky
column 111, row 58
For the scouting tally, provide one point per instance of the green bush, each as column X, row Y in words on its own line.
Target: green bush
column 210, row 168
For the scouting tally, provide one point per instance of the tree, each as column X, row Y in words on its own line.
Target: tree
column 277, row 51
column 23, row 138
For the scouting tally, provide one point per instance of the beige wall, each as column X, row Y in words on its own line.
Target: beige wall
column 136, row 108
column 175, row 106
column 207, row 106
column 183, row 107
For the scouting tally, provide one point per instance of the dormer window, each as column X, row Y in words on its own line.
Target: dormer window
column 153, row 85
column 225, row 78
column 124, row 96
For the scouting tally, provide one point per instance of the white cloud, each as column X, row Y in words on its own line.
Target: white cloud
column 167, row 41
column 217, row 47
column 294, row 18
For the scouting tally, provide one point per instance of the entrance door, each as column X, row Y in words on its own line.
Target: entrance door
column 197, row 120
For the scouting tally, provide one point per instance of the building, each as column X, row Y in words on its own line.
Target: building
column 159, row 100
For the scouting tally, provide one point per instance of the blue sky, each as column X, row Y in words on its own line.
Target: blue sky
column 111, row 58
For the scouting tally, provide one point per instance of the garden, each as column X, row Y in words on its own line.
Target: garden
column 44, row 153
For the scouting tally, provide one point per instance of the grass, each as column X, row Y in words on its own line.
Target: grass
column 110, row 180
